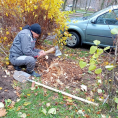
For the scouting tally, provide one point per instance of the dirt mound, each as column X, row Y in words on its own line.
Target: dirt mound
column 6, row 89
column 60, row 73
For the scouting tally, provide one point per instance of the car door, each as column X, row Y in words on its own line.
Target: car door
column 100, row 30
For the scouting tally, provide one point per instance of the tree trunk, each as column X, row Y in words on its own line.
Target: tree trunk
column 88, row 6
column 116, row 2
column 79, row 4
column 64, row 5
column 73, row 5
column 102, row 4
column 76, row 5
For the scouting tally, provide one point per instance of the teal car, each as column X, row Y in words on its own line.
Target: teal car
column 97, row 26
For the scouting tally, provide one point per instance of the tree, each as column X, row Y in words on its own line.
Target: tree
column 14, row 14
column 64, row 5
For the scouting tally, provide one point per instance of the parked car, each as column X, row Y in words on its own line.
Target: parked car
column 97, row 26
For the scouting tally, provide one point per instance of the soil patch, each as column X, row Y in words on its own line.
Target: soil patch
column 6, row 91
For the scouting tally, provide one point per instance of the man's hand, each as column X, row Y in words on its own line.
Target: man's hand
column 41, row 53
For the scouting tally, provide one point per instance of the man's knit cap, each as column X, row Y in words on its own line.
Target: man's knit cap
column 36, row 28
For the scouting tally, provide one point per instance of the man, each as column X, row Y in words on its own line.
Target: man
column 23, row 52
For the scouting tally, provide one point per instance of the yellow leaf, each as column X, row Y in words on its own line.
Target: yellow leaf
column 28, row 94
column 5, row 38
column 35, row 7
column 92, row 100
column 28, row 9
column 20, row 28
column 0, row 88
column 44, row 17
column 18, row 108
column 110, row 11
column 6, row 14
column 89, row 110
column 102, row 97
column 7, row 62
column 35, row 16
column 7, row 33
column 7, row 58
column 48, row 33
column 46, row 7
column 9, row 100
column 116, row 18
column 26, row 103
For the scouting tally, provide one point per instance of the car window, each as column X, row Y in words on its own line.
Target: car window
column 108, row 18
column 98, row 12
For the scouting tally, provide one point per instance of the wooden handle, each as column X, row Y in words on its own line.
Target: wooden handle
column 50, row 50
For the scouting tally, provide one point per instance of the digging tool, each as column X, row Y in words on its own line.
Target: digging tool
column 56, row 49
column 23, row 77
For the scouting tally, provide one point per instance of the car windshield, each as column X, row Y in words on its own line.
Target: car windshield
column 98, row 12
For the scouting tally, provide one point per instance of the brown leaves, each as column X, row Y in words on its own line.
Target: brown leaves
column 2, row 112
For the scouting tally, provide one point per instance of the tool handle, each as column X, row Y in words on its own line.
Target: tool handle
column 50, row 50
column 64, row 93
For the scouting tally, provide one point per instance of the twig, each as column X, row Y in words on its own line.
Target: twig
column 1, row 67
column 105, row 99
column 3, row 51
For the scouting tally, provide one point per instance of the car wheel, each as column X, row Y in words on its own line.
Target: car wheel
column 74, row 40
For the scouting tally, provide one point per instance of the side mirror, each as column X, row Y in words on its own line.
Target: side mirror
column 93, row 21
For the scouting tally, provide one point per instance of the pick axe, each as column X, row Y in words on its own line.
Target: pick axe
column 56, row 49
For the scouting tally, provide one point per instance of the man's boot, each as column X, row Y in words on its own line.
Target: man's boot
column 33, row 73
column 17, row 68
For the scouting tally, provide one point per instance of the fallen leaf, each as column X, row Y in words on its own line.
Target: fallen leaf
column 17, row 93
column 18, row 108
column 28, row 114
column 99, row 91
column 52, row 111
column 83, row 87
column 80, row 112
column 87, row 116
column 2, row 112
column 36, row 94
column 69, row 103
column 0, row 88
column 103, row 116
column 99, row 81
column 32, row 88
column 23, row 115
column 98, row 112
column 9, row 100
column 7, row 72
column 12, row 104
column 44, row 111
column 18, row 100
column 28, row 94
column 1, row 105
column 48, row 104
column 26, row 103
column 19, row 114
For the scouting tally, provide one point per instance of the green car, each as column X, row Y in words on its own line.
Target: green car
column 97, row 26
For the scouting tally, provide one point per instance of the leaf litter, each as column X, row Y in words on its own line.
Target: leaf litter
column 56, row 72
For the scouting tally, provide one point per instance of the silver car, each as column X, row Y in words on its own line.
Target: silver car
column 97, row 26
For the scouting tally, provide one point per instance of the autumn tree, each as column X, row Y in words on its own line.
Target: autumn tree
column 14, row 14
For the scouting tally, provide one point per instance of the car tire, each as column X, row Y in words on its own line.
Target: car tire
column 73, row 41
